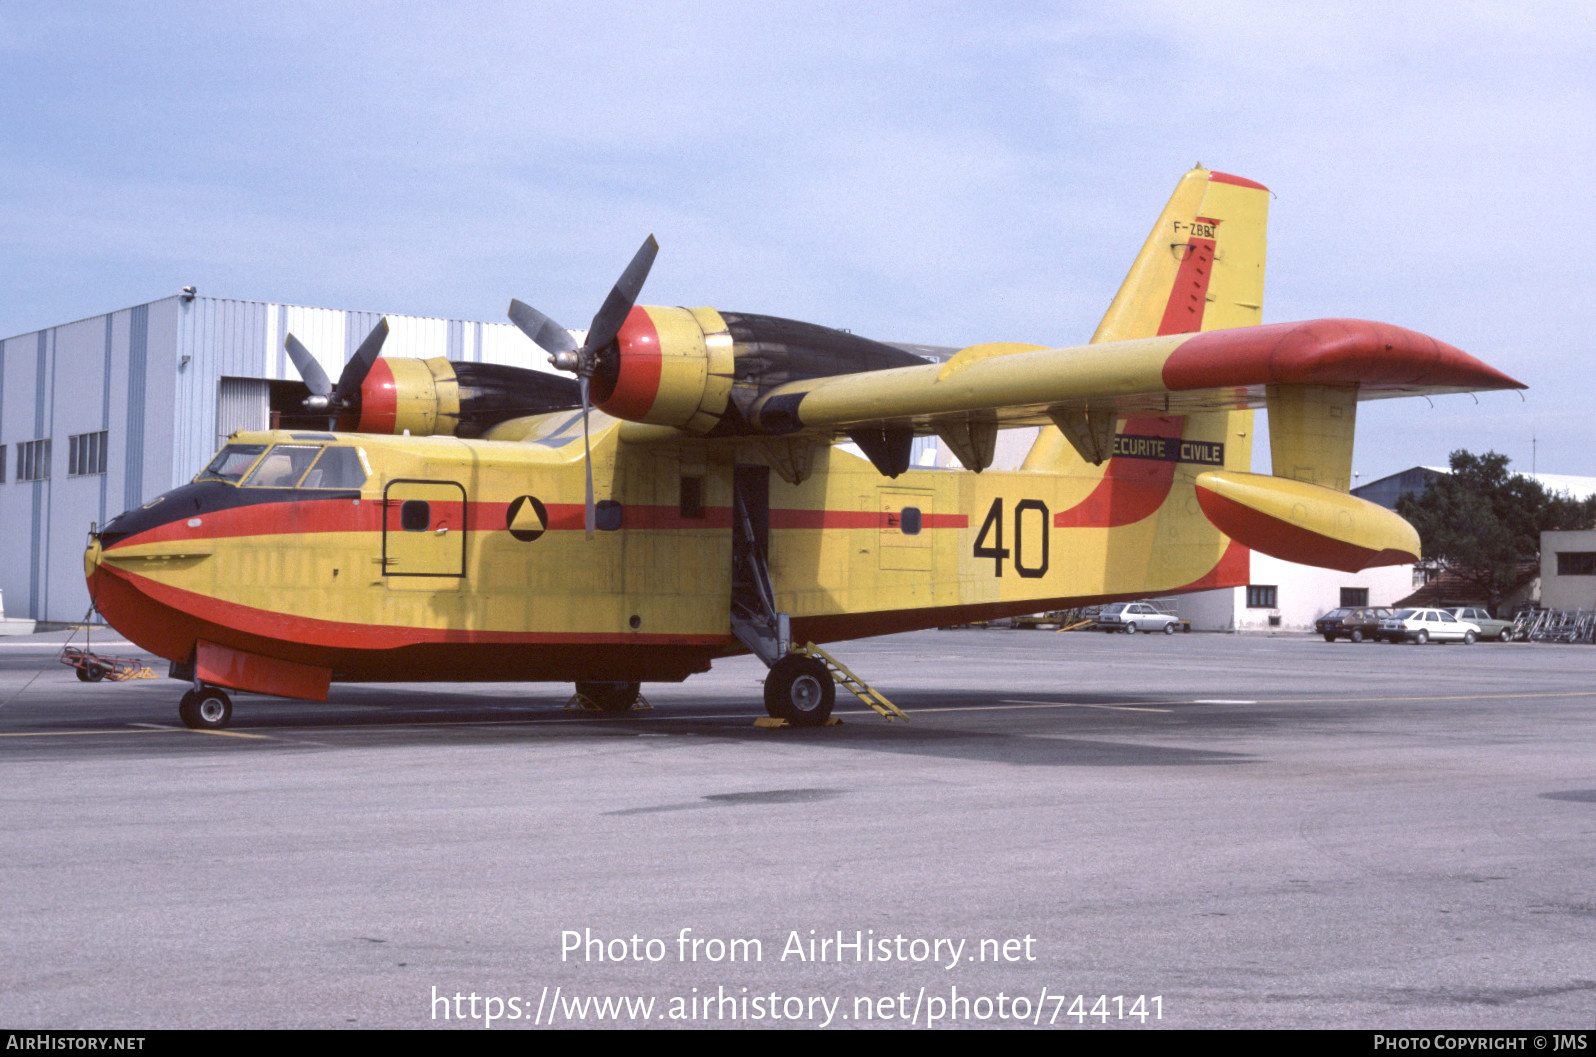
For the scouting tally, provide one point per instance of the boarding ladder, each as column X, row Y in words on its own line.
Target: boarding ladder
column 852, row 683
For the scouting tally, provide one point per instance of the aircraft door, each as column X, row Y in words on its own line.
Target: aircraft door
column 423, row 534
column 905, row 539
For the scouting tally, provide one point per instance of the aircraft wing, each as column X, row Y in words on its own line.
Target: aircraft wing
column 1219, row 370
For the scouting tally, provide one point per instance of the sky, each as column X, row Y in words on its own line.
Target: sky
column 947, row 173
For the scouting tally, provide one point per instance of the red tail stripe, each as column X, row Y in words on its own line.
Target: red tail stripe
column 1239, row 181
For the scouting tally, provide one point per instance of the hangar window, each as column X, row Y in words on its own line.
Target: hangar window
column 1576, row 563
column 2, row 464
column 86, row 454
column 1352, row 597
column 33, row 461
column 1265, row 596
column 337, row 468
column 231, row 463
column 283, row 466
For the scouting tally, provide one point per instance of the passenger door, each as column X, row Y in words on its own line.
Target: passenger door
column 423, row 535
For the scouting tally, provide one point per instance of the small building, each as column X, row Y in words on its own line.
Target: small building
column 1285, row 596
column 1568, row 569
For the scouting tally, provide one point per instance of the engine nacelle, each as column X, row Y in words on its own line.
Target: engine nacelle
column 701, row 370
column 445, row 398
column 669, row 367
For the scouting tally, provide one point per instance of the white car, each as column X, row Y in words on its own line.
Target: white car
column 1131, row 617
column 1423, row 625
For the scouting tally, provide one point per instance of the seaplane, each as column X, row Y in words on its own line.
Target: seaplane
column 699, row 483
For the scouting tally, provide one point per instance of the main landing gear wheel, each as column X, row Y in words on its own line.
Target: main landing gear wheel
column 207, row 709
column 800, row 690
column 610, row 697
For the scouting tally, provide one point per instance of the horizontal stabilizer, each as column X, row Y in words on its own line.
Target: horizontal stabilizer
column 1305, row 523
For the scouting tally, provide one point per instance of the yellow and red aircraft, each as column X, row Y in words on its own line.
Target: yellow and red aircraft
column 463, row 522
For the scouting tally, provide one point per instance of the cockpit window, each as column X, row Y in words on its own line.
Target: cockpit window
column 231, row 463
column 337, row 468
column 283, row 466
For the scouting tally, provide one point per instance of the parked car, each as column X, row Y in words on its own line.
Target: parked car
column 1422, row 625
column 1354, row 623
column 1131, row 617
column 1490, row 627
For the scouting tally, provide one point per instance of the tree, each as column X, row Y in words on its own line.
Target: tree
column 1484, row 524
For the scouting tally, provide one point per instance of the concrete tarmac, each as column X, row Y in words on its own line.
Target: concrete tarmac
column 1075, row 830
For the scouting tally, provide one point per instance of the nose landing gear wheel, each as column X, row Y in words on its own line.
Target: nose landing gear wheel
column 207, row 709
column 610, row 697
column 800, row 690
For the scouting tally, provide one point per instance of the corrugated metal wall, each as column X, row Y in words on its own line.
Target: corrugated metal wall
column 242, row 403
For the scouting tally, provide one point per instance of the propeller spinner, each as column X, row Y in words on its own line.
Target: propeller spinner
column 582, row 360
column 346, row 395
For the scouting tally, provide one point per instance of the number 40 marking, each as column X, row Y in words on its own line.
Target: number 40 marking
column 989, row 541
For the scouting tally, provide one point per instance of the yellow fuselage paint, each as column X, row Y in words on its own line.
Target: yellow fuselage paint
column 840, row 547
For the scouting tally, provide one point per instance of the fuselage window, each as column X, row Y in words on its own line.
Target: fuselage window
column 337, row 468
column 231, row 463
column 910, row 518
column 415, row 515
column 283, row 466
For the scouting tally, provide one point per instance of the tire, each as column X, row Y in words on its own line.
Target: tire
column 83, row 674
column 1506, row 635
column 1329, row 637
column 610, row 697
column 1468, row 638
column 1422, row 637
column 207, row 709
column 800, row 690
column 1169, row 629
column 1356, row 636
column 1130, row 629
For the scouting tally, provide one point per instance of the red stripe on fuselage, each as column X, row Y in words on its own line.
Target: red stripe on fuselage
column 307, row 517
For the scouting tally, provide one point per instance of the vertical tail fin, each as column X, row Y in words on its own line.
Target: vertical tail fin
column 1201, row 268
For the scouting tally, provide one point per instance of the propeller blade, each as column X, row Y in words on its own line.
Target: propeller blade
column 589, row 518
column 308, row 368
column 616, row 307
column 544, row 332
column 359, row 366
